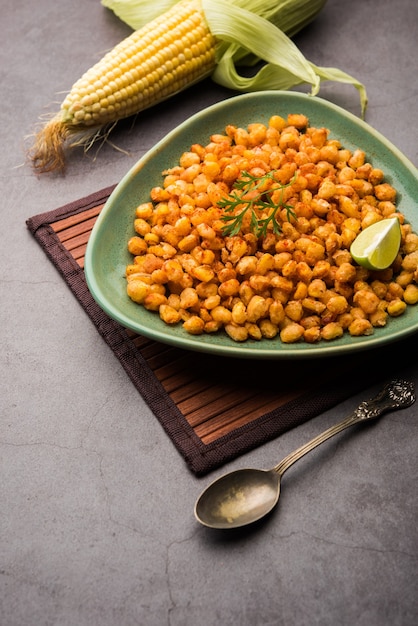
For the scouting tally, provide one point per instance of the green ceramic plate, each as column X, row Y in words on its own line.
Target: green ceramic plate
column 107, row 256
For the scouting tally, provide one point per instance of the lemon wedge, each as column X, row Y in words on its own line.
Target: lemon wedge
column 377, row 245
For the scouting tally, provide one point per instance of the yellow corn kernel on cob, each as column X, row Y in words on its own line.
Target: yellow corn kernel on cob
column 170, row 53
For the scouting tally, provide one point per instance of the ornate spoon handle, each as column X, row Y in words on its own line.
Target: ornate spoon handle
column 397, row 394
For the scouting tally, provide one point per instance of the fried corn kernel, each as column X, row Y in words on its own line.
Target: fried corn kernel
column 294, row 281
column 169, row 315
column 396, row 307
column 268, row 329
column 221, row 314
column 137, row 246
column 360, row 326
column 367, row 300
column 237, row 333
column 331, row 331
column 138, row 290
column 188, row 298
column 257, row 308
column 153, row 301
column 194, row 325
column 337, row 304
column 294, row 310
column 378, row 318
column 292, row 333
column 203, row 273
column 312, row 334
column 410, row 295
column 410, row 262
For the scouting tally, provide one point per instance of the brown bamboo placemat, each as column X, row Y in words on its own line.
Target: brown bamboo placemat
column 213, row 408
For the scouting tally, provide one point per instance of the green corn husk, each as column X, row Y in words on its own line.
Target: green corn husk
column 249, row 32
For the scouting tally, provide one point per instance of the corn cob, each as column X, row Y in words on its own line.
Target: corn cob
column 176, row 49
column 167, row 55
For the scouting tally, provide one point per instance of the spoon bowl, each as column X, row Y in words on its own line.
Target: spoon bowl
column 238, row 498
column 246, row 495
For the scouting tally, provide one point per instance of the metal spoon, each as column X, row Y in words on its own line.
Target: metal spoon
column 246, row 495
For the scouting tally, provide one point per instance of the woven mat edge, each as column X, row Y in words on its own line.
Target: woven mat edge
column 166, row 411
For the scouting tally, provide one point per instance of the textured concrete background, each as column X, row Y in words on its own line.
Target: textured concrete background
column 96, row 522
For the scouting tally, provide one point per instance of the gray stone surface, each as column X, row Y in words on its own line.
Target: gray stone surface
column 96, row 520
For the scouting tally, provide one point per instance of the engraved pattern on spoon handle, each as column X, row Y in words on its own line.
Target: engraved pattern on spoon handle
column 397, row 394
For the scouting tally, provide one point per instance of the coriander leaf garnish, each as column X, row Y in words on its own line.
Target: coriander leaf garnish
column 254, row 194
